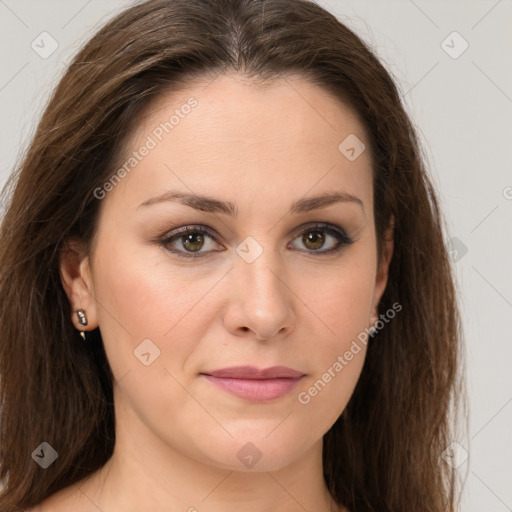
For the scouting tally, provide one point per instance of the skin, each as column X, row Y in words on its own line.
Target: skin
column 177, row 435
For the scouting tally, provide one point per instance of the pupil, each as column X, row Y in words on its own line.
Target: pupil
column 192, row 240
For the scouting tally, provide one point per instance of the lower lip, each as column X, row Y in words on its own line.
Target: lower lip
column 256, row 390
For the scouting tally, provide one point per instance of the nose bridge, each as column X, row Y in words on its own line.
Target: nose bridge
column 260, row 275
column 263, row 299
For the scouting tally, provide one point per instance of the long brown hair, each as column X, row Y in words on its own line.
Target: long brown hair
column 384, row 451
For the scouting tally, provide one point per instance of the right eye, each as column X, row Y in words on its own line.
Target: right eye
column 190, row 239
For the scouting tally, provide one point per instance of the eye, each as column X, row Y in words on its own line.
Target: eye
column 315, row 237
column 188, row 241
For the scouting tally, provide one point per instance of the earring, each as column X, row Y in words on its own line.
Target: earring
column 82, row 320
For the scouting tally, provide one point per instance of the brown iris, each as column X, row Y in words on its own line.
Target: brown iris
column 193, row 241
column 315, row 238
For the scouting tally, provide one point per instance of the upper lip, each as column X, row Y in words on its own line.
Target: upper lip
column 251, row 372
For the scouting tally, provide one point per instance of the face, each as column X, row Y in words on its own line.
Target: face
column 260, row 274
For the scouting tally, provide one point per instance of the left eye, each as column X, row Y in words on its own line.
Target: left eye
column 316, row 237
column 193, row 238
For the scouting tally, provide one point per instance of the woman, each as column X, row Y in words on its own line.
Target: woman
column 223, row 277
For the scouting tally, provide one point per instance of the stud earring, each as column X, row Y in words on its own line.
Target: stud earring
column 82, row 320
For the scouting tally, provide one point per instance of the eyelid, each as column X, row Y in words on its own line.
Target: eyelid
column 327, row 226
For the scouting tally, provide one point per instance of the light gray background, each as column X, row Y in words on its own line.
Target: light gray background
column 462, row 107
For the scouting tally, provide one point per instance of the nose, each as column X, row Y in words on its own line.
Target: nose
column 262, row 302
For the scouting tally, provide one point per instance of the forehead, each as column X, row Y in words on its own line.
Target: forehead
column 239, row 110
column 231, row 134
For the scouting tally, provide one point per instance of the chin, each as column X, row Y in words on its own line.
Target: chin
column 260, row 451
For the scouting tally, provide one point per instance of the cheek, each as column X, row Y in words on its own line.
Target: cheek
column 141, row 297
column 341, row 298
column 337, row 361
column 343, row 304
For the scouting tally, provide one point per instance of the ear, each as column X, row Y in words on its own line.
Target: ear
column 76, row 278
column 381, row 279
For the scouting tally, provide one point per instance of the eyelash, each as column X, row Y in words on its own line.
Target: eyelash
column 338, row 233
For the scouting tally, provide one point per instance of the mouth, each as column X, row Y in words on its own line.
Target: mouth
column 253, row 384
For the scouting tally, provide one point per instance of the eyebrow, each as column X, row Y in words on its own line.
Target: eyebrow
column 211, row 205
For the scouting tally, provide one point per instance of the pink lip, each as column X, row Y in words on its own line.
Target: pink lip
column 253, row 384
